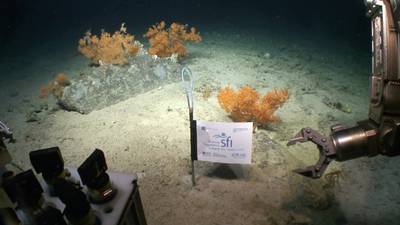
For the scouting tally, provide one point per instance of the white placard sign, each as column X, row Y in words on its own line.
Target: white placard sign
column 224, row 142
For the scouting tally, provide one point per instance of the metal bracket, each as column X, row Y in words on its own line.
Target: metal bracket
column 326, row 151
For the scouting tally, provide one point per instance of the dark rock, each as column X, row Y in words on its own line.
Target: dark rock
column 44, row 106
column 36, row 108
column 53, row 109
column 32, row 117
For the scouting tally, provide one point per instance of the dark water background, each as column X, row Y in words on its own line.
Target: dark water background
column 26, row 22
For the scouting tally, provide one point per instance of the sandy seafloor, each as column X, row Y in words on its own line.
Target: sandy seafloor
column 149, row 133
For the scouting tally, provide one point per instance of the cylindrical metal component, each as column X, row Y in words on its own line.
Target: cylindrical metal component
column 355, row 142
column 392, row 100
column 390, row 137
column 350, row 143
column 102, row 194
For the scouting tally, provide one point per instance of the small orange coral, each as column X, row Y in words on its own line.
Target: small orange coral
column 246, row 100
column 62, row 79
column 55, row 87
column 264, row 112
column 246, row 105
column 167, row 41
column 45, row 90
column 227, row 98
column 107, row 48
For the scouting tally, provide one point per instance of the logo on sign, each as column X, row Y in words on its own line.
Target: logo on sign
column 224, row 140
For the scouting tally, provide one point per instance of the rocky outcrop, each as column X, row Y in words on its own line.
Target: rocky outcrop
column 109, row 84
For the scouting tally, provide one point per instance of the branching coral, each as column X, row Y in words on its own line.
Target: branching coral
column 165, row 42
column 55, row 87
column 247, row 105
column 111, row 49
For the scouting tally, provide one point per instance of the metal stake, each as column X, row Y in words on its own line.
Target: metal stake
column 187, row 82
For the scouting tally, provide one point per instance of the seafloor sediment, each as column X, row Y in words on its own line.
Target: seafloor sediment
column 148, row 133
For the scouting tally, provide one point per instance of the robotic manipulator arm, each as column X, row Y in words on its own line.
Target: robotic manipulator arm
column 380, row 133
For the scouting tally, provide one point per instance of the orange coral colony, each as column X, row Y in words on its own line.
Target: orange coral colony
column 164, row 42
column 55, row 87
column 246, row 105
column 110, row 49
